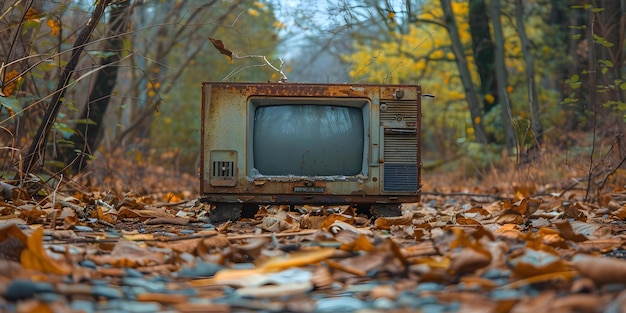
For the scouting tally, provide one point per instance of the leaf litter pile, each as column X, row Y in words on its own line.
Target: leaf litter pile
column 517, row 252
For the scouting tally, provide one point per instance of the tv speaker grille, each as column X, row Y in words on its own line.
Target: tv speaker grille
column 405, row 109
column 400, row 177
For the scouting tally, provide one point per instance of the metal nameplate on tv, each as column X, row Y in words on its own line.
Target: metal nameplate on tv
column 309, row 189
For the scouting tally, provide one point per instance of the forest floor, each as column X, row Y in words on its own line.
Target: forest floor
column 512, row 241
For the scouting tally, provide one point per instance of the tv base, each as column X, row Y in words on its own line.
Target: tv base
column 225, row 211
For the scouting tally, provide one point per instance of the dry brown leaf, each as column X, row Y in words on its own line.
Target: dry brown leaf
column 469, row 260
column 620, row 214
column 181, row 246
column 577, row 303
column 602, row 270
column 475, row 282
column 331, row 219
column 510, row 217
column 601, row 245
column 35, row 257
column 541, row 278
column 167, row 220
column 346, row 268
column 103, row 215
column 296, row 259
column 162, row 298
column 128, row 253
column 467, row 221
column 385, row 223
column 360, row 243
column 537, row 262
column 12, row 242
column 566, row 230
column 143, row 214
column 219, row 45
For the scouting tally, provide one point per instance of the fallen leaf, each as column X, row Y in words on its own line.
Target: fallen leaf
column 299, row 258
column 35, row 257
column 602, row 270
column 12, row 242
column 565, row 228
column 386, row 222
column 469, row 260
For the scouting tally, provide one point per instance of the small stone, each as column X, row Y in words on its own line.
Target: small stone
column 339, row 304
column 200, row 269
column 88, row 264
column 384, row 304
column 131, row 272
column 83, row 306
column 504, row 294
column 429, row 287
column 48, row 297
column 83, row 228
column 106, row 292
column 187, row 231
column 150, row 286
column 128, row 306
column 25, row 289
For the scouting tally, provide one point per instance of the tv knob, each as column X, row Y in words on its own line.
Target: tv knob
column 399, row 94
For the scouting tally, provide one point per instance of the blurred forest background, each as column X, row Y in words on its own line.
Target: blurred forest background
column 518, row 85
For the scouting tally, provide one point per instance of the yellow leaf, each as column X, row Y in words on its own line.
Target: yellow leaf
column 8, row 89
column 253, row 12
column 55, row 27
column 490, row 98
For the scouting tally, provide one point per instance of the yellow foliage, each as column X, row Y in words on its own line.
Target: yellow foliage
column 55, row 27
column 279, row 25
column 423, row 55
column 8, row 89
column 490, row 98
column 253, row 12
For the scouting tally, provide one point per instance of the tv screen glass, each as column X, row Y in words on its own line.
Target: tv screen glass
column 308, row 140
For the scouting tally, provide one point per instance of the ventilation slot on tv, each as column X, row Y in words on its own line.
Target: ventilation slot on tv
column 223, row 169
column 401, row 165
column 223, row 173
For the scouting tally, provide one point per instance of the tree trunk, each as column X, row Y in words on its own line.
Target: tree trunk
column 36, row 152
column 533, row 100
column 88, row 130
column 461, row 61
column 483, row 49
column 501, row 77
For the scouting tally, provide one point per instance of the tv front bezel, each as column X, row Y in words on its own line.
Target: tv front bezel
column 255, row 101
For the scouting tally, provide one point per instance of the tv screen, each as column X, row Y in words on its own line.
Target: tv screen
column 303, row 139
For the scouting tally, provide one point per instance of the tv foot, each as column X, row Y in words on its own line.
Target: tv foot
column 223, row 212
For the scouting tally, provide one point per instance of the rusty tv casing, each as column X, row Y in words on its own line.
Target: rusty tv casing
column 293, row 143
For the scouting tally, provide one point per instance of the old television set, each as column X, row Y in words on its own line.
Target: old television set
column 320, row 144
